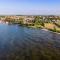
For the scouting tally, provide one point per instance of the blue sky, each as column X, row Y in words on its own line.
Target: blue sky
column 29, row 7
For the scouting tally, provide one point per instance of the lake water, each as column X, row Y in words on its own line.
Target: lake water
column 21, row 43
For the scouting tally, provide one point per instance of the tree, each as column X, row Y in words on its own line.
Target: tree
column 37, row 20
column 21, row 20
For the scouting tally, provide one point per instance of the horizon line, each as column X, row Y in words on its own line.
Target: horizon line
column 26, row 14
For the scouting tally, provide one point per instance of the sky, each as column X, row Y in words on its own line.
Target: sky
column 29, row 7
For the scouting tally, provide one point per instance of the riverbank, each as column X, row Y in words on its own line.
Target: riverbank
column 48, row 26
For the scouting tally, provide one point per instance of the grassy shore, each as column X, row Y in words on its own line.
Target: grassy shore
column 36, row 26
column 48, row 26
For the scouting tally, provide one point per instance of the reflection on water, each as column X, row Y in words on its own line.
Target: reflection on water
column 21, row 43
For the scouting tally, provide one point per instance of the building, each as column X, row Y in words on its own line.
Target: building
column 28, row 19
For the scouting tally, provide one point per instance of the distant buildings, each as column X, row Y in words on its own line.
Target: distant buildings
column 30, row 19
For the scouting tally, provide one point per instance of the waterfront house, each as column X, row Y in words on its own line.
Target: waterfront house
column 28, row 19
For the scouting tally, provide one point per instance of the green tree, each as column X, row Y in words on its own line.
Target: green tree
column 37, row 20
column 20, row 20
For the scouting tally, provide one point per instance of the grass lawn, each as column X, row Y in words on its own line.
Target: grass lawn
column 49, row 25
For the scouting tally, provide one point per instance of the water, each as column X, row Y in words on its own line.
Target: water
column 22, row 43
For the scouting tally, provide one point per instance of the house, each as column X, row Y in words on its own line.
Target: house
column 28, row 19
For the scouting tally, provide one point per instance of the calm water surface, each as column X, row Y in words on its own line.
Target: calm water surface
column 18, row 42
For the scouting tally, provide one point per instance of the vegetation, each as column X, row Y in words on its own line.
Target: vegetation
column 20, row 21
column 38, row 22
column 57, row 24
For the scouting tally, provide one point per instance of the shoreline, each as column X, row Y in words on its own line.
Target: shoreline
column 44, row 29
column 34, row 27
